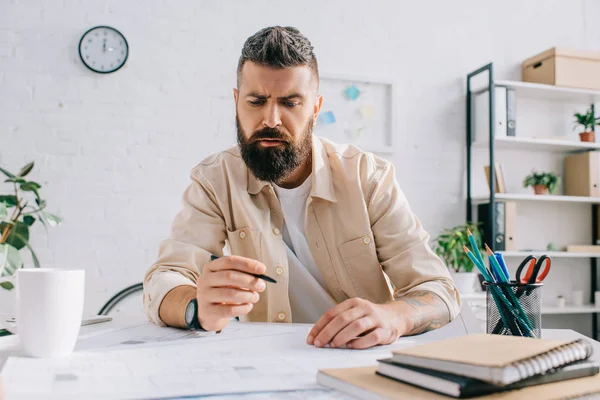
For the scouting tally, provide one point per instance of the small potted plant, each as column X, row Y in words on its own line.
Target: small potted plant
column 449, row 247
column 542, row 182
column 587, row 122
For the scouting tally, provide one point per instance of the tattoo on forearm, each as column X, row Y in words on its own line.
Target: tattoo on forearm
column 430, row 311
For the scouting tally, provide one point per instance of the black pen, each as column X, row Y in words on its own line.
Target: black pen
column 261, row 276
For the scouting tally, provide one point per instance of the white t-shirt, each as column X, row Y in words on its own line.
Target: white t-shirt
column 308, row 297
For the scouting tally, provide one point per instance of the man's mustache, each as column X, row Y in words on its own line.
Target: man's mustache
column 269, row 133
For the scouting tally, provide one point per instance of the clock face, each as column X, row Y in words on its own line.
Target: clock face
column 103, row 49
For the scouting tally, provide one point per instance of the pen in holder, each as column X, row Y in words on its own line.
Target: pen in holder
column 514, row 308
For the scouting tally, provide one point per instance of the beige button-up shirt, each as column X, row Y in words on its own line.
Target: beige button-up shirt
column 361, row 231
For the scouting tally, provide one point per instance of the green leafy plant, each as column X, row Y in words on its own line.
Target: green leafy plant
column 17, row 215
column 449, row 246
column 546, row 179
column 587, row 120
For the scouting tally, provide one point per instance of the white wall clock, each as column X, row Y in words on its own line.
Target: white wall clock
column 103, row 49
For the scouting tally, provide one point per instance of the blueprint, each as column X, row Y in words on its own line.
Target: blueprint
column 146, row 361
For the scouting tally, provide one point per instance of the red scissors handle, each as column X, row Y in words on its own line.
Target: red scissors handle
column 533, row 274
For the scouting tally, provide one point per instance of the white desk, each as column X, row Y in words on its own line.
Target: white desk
column 280, row 347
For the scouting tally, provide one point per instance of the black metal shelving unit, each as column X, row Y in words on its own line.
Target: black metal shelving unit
column 489, row 68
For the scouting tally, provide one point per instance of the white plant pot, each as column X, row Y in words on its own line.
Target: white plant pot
column 465, row 281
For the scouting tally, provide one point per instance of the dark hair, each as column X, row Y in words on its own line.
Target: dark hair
column 278, row 47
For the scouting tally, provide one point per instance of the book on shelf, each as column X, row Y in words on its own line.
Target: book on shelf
column 500, row 183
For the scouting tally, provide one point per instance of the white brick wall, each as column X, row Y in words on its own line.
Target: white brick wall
column 115, row 151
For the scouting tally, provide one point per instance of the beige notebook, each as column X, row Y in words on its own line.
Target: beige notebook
column 364, row 383
column 497, row 359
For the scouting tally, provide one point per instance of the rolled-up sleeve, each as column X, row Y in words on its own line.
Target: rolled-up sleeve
column 403, row 244
column 198, row 231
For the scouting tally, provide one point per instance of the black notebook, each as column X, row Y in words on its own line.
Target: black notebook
column 463, row 387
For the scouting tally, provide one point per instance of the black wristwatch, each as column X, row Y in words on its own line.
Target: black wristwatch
column 191, row 316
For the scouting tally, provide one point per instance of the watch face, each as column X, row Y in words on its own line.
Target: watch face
column 189, row 312
column 103, row 49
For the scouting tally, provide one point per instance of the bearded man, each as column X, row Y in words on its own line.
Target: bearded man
column 327, row 221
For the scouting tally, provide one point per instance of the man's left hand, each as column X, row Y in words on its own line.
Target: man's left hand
column 358, row 324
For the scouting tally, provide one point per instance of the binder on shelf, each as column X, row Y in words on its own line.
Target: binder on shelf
column 511, row 112
column 597, row 238
column 582, row 174
column 505, row 219
column 481, row 123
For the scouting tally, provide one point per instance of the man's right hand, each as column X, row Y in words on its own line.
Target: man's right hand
column 226, row 290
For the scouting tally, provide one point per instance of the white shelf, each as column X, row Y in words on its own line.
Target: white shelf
column 551, row 254
column 584, row 309
column 523, row 143
column 535, row 197
column 548, row 92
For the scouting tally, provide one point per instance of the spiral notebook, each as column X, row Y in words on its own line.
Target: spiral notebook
column 497, row 359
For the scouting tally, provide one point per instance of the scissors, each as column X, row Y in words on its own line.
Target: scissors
column 533, row 274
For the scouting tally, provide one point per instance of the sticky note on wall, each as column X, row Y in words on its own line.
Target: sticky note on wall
column 355, row 132
column 326, row 118
column 367, row 112
column 352, row 92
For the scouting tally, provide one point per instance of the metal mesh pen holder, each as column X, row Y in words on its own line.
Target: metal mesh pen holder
column 514, row 309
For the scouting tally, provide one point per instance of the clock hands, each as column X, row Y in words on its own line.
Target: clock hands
column 105, row 49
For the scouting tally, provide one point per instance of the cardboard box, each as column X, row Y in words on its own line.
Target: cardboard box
column 582, row 174
column 563, row 67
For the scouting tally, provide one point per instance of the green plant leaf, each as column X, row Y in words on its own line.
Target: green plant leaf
column 15, row 179
column 51, row 219
column 18, row 236
column 26, row 170
column 9, row 200
column 29, row 219
column 10, row 260
column 30, row 186
column 3, row 211
column 7, row 285
column 36, row 261
column 5, row 172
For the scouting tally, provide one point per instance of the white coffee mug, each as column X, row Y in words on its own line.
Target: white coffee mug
column 49, row 310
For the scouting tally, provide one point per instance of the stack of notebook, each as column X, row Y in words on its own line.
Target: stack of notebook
column 505, row 367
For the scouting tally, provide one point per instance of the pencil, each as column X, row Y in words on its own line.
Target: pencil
column 474, row 245
column 261, row 276
column 478, row 264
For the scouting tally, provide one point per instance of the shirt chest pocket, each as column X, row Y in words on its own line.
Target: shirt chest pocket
column 363, row 268
column 244, row 242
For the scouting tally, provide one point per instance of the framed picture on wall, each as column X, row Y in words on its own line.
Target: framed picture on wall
column 359, row 111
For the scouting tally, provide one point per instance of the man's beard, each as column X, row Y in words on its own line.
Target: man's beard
column 274, row 164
